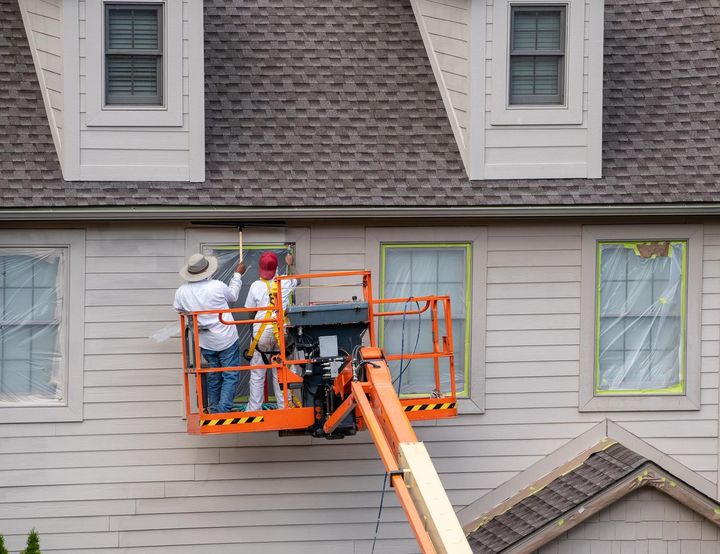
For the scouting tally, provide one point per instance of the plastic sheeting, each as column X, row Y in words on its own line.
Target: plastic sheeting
column 228, row 259
column 32, row 285
column 421, row 271
column 641, row 323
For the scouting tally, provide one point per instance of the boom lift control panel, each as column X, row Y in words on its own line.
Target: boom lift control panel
column 336, row 381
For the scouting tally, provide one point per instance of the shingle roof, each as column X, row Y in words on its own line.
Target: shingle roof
column 600, row 471
column 333, row 103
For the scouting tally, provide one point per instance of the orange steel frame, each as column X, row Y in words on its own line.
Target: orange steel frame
column 293, row 418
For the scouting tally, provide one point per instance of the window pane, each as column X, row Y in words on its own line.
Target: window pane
column 30, row 354
column 134, row 28
column 537, row 30
column 534, row 75
column 641, row 324
column 549, row 34
column 132, row 75
column 419, row 271
column 524, row 30
column 547, row 75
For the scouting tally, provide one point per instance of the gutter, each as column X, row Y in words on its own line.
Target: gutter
column 355, row 213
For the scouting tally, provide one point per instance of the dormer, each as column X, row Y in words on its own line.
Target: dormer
column 123, row 84
column 522, row 84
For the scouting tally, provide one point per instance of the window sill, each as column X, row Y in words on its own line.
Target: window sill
column 34, row 413
column 468, row 406
column 627, row 403
column 537, row 115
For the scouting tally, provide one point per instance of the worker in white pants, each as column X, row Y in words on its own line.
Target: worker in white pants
column 266, row 343
column 262, row 293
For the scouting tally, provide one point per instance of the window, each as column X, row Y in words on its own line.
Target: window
column 133, row 54
column 641, row 318
column 421, row 270
column 537, row 55
column 451, row 260
column 228, row 256
column 42, row 325
column 137, row 55
column 640, row 333
column 546, row 56
column 32, row 286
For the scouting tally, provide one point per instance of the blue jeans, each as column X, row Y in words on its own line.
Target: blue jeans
column 221, row 385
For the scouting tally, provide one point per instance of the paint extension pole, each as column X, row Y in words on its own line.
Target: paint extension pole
column 240, row 243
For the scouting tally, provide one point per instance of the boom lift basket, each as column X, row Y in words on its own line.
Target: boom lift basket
column 351, row 323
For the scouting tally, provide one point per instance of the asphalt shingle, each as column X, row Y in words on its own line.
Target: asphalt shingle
column 600, row 471
column 333, row 103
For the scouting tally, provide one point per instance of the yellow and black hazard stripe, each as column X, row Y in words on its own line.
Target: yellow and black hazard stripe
column 231, row 421
column 425, row 407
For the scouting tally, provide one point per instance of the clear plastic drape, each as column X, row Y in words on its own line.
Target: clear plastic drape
column 423, row 271
column 640, row 319
column 228, row 259
column 32, row 285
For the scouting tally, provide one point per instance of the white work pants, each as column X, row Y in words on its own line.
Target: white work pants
column 267, row 343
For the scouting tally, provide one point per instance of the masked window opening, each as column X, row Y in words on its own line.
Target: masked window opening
column 32, row 290
column 420, row 270
column 640, row 327
column 228, row 258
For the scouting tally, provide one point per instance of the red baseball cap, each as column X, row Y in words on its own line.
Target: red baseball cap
column 268, row 265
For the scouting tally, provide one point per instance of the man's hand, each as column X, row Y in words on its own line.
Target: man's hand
column 290, row 259
column 240, row 268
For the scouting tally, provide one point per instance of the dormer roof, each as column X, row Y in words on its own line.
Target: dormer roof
column 333, row 104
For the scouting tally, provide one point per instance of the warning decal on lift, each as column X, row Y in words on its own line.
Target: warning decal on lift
column 232, row 421
column 424, row 407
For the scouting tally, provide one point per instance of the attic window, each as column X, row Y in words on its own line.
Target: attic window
column 537, row 55
column 133, row 54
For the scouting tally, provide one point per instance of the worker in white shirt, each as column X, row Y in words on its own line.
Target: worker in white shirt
column 219, row 343
column 265, row 335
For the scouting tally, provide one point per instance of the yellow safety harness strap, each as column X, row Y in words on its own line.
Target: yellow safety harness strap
column 256, row 339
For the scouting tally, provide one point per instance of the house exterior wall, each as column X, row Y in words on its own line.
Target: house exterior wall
column 129, row 478
column 645, row 521
column 44, row 29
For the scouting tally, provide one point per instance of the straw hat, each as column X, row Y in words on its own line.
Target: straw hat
column 199, row 267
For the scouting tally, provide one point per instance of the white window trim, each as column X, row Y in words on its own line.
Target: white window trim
column 571, row 113
column 170, row 114
column 591, row 234
column 477, row 237
column 71, row 409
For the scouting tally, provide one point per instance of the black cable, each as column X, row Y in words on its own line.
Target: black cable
column 377, row 523
column 398, row 379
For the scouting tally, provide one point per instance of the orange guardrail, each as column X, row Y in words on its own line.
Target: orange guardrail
column 437, row 404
